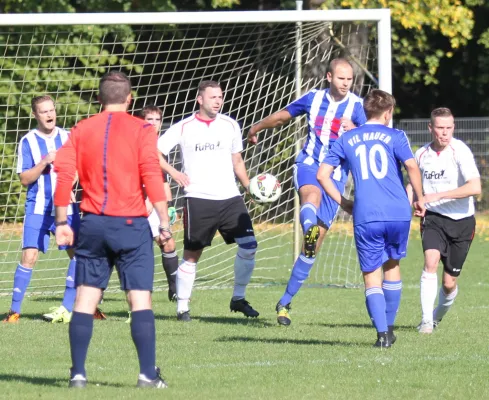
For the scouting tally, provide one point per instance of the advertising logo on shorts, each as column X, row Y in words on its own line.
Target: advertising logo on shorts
column 327, row 129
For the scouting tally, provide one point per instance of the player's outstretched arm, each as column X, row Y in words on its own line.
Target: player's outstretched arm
column 324, row 178
column 31, row 175
column 272, row 121
column 471, row 188
column 415, row 181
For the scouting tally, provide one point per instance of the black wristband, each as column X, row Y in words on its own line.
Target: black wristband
column 170, row 203
column 61, row 223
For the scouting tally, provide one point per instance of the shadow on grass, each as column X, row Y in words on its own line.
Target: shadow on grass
column 294, row 341
column 362, row 326
column 44, row 381
column 260, row 323
column 59, row 299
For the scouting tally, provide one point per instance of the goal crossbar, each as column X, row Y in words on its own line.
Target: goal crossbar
column 206, row 17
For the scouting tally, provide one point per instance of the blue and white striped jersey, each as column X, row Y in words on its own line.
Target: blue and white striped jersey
column 324, row 126
column 33, row 147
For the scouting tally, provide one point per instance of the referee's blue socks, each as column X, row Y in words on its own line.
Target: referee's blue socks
column 144, row 337
column 80, row 331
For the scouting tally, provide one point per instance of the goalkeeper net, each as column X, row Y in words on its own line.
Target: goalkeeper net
column 256, row 64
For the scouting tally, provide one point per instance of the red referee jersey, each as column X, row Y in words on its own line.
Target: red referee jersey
column 114, row 154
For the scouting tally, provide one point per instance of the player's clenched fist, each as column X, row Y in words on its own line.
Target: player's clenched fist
column 252, row 136
column 64, row 235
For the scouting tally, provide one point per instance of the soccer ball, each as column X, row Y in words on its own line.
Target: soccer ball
column 265, row 188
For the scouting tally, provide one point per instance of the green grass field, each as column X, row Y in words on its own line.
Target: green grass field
column 326, row 353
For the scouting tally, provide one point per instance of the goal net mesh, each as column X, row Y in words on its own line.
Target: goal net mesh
column 256, row 66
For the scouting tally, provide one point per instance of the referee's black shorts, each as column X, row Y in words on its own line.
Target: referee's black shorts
column 125, row 242
column 452, row 238
column 202, row 218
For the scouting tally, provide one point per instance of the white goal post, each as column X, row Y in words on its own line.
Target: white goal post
column 263, row 59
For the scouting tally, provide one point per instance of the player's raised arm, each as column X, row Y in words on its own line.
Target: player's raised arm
column 28, row 171
column 274, row 120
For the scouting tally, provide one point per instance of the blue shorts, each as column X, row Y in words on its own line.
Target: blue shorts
column 378, row 242
column 125, row 242
column 307, row 175
column 37, row 228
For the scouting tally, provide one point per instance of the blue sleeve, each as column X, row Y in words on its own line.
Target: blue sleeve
column 300, row 106
column 24, row 159
column 402, row 148
column 358, row 116
column 336, row 154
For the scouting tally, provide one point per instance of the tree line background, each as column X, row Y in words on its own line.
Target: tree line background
column 440, row 58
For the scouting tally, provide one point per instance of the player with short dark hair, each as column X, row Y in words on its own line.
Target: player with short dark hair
column 450, row 180
column 381, row 209
column 330, row 113
column 211, row 145
column 115, row 155
column 36, row 154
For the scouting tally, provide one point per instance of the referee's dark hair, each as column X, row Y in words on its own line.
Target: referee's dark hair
column 114, row 88
column 378, row 102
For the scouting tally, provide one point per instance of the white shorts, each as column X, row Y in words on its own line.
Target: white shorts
column 154, row 223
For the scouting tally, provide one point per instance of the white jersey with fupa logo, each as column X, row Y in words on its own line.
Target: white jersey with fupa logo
column 206, row 148
column 448, row 170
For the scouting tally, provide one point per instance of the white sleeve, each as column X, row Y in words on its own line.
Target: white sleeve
column 467, row 164
column 237, row 145
column 169, row 139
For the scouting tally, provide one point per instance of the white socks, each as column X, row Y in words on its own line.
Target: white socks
column 429, row 287
column 185, row 283
column 244, row 264
column 445, row 301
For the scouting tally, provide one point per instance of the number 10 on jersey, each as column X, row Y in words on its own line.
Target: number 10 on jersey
column 370, row 165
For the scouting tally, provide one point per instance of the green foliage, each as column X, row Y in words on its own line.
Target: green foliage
column 414, row 23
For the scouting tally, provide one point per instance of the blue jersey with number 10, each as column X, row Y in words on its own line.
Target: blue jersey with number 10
column 375, row 153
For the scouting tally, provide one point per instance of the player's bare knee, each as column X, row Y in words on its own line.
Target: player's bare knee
column 139, row 300
column 431, row 261
column 169, row 247
column 449, row 283
column 310, row 194
column 29, row 258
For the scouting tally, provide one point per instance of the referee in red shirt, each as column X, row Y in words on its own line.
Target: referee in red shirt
column 115, row 154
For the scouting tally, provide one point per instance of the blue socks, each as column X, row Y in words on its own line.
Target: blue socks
column 300, row 273
column 22, row 278
column 144, row 337
column 308, row 216
column 80, row 331
column 303, row 265
column 392, row 294
column 375, row 301
column 70, row 291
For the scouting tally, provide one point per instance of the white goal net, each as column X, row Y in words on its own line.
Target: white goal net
column 256, row 64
